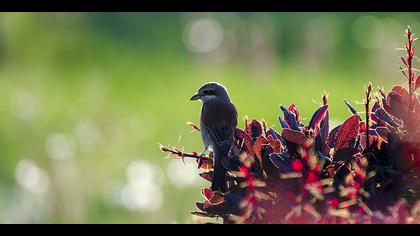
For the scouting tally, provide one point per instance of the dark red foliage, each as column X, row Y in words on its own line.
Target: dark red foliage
column 295, row 111
column 362, row 171
column 348, row 133
column 318, row 117
column 254, row 129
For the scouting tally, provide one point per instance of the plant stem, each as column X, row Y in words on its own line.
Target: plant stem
column 367, row 102
column 410, row 56
column 367, row 124
column 181, row 154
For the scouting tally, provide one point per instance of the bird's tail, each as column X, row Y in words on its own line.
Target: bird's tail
column 219, row 174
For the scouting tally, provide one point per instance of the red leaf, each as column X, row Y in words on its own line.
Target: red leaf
column 344, row 154
column 400, row 209
column 275, row 144
column 249, row 144
column 318, row 116
column 386, row 117
column 294, row 137
column 206, row 163
column 207, row 176
column 385, row 104
column 254, row 129
column 332, row 136
column 402, row 59
column 207, row 193
column 398, row 103
column 258, row 145
column 348, row 132
column 217, row 198
column 401, row 91
column 295, row 111
column 417, row 83
column 290, row 118
column 202, row 206
column 372, row 140
column 383, row 133
column 200, row 214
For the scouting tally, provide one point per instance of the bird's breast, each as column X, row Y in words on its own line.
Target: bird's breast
column 219, row 118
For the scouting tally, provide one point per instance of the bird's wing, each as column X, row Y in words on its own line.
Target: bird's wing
column 220, row 120
column 221, row 135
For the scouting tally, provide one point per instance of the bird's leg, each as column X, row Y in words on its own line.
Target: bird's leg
column 205, row 150
column 201, row 158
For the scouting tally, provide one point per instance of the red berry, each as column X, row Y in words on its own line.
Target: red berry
column 311, row 178
column 352, row 195
column 360, row 211
column 297, row 166
column 334, row 202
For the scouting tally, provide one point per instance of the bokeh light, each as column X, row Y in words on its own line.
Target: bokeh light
column 183, row 175
column 31, row 177
column 25, row 105
column 204, row 35
column 87, row 133
column 142, row 191
column 368, row 32
column 60, row 146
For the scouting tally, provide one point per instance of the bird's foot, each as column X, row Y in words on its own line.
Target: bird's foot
column 202, row 158
column 203, row 153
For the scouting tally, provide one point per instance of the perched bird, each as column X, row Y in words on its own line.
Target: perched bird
column 218, row 122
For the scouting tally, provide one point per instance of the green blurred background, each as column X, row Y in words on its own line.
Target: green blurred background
column 85, row 98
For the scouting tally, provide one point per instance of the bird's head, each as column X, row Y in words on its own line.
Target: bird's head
column 211, row 91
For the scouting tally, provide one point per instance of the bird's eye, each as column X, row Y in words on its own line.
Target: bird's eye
column 209, row 92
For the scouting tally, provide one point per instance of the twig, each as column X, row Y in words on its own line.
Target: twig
column 409, row 63
column 367, row 102
column 181, row 154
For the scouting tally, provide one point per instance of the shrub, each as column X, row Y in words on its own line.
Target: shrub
column 365, row 170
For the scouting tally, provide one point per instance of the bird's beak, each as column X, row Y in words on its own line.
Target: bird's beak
column 195, row 97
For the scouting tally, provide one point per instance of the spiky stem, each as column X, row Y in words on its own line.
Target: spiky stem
column 409, row 63
column 367, row 102
column 181, row 154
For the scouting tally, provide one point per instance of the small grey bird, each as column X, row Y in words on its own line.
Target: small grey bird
column 218, row 122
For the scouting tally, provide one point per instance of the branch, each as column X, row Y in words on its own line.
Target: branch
column 367, row 101
column 181, row 154
column 408, row 62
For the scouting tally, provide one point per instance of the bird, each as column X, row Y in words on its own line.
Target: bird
column 218, row 122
